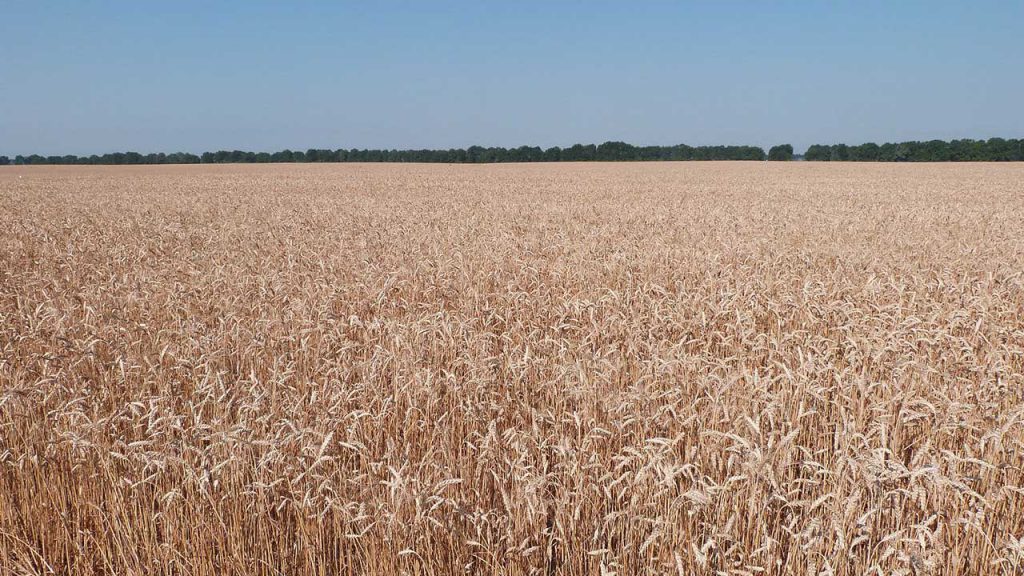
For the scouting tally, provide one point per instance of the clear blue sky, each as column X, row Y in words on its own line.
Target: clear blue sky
column 80, row 77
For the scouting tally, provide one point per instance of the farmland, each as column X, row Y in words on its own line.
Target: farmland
column 670, row 368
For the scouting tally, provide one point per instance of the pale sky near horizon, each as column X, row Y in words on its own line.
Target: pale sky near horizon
column 90, row 77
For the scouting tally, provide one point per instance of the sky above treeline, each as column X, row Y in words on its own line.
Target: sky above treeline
column 84, row 77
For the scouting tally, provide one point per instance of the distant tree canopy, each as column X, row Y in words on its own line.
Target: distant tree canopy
column 994, row 149
column 607, row 152
column 112, row 158
column 783, row 152
column 991, row 150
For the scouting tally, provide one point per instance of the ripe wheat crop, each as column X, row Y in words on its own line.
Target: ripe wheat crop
column 571, row 369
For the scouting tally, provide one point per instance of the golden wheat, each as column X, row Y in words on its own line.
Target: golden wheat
column 729, row 369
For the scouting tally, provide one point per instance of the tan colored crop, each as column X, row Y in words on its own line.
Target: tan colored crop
column 665, row 368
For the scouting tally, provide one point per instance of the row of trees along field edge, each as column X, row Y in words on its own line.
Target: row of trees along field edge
column 991, row 150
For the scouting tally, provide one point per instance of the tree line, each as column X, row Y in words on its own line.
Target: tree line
column 607, row 152
column 112, row 158
column 993, row 149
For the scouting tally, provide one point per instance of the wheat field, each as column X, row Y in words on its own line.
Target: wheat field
column 565, row 369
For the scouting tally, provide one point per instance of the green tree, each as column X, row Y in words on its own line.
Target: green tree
column 840, row 153
column 904, row 151
column 782, row 152
column 818, row 153
column 616, row 152
column 865, row 152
